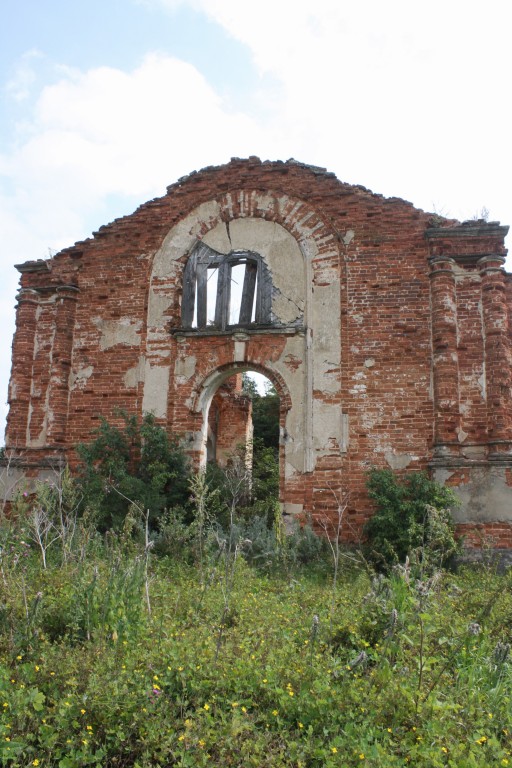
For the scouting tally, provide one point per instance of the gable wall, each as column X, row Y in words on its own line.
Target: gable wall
column 373, row 380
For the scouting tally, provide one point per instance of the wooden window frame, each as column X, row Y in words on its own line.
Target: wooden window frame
column 256, row 289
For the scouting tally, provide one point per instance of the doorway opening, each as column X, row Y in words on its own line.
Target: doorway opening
column 243, row 437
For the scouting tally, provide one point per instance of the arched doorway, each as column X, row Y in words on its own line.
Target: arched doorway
column 243, row 445
column 226, row 401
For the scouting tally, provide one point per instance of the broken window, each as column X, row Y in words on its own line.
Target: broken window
column 224, row 290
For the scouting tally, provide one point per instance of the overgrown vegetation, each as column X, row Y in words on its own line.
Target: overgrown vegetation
column 198, row 633
column 136, row 461
column 112, row 656
column 412, row 518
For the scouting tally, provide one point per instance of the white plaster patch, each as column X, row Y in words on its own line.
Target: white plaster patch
column 290, row 471
column 78, row 379
column 159, row 303
column 485, row 497
column 185, row 368
column 369, row 362
column 449, row 303
column 135, row 375
column 327, row 428
column 156, row 390
column 398, row 460
column 461, row 435
column 239, row 351
column 291, row 509
column 358, row 389
column 124, row 331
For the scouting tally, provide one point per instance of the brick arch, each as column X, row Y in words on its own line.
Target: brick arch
column 207, row 387
column 298, row 217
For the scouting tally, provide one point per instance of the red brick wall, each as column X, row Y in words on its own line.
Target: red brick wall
column 422, row 377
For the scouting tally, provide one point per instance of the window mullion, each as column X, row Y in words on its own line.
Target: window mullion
column 223, row 295
column 202, row 275
column 251, row 269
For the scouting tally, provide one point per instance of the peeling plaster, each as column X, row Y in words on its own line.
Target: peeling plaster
column 398, row 460
column 79, row 379
column 461, row 435
column 123, row 331
column 134, row 376
column 156, row 384
column 185, row 368
column 239, row 351
column 485, row 495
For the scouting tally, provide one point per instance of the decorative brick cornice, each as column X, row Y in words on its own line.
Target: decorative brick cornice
column 468, row 229
column 39, row 265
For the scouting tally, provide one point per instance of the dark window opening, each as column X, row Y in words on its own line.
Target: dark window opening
column 225, row 290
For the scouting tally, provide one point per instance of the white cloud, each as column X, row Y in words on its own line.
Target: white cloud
column 402, row 97
column 19, row 86
column 129, row 133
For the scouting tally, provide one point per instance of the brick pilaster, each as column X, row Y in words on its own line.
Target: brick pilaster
column 67, row 296
column 444, row 356
column 498, row 356
column 22, row 361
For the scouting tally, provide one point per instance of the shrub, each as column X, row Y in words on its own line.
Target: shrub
column 138, row 462
column 412, row 518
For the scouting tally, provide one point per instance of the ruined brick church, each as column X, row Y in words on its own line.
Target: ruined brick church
column 386, row 332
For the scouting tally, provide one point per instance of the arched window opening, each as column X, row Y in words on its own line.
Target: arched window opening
column 225, row 290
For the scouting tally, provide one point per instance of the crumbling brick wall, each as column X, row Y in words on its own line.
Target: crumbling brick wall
column 387, row 334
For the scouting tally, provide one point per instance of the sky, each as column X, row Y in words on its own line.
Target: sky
column 104, row 103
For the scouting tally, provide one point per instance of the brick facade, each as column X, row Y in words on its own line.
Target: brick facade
column 387, row 333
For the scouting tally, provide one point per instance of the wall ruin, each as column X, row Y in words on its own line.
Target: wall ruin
column 386, row 332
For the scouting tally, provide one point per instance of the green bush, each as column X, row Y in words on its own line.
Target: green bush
column 412, row 518
column 137, row 462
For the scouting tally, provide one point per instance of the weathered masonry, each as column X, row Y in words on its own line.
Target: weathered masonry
column 386, row 331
